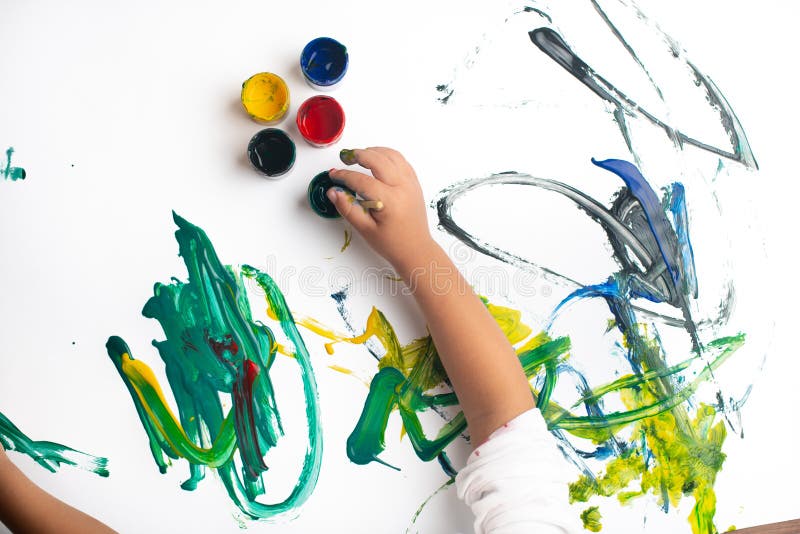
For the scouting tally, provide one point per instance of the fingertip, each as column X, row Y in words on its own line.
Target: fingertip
column 332, row 194
column 348, row 156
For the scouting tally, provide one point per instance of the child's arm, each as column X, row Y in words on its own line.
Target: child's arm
column 483, row 367
column 25, row 507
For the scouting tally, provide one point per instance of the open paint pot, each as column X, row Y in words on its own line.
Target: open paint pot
column 324, row 63
column 271, row 152
column 320, row 120
column 318, row 195
column 265, row 97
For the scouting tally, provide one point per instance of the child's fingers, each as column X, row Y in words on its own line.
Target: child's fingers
column 369, row 158
column 350, row 210
column 366, row 186
column 392, row 155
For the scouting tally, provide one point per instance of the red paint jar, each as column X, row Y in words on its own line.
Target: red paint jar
column 320, row 120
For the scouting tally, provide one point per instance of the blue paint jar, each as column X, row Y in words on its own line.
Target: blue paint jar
column 324, row 63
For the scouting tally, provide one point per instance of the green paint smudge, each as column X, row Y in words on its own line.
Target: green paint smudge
column 407, row 372
column 9, row 172
column 47, row 454
column 670, row 453
column 422, row 506
column 348, row 156
column 591, row 519
column 214, row 348
column 348, row 237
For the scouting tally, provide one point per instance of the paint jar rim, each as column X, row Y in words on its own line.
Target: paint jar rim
column 325, row 175
column 278, row 134
column 302, row 114
column 284, row 108
column 307, row 54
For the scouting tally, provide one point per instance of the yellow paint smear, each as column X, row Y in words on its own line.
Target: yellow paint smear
column 265, row 97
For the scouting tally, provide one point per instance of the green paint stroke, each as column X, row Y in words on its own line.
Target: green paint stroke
column 670, row 454
column 49, row 455
column 348, row 237
column 591, row 519
column 214, row 348
column 11, row 173
column 407, row 372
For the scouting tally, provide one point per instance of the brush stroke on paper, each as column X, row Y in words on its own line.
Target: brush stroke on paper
column 662, row 457
column 665, row 443
column 656, row 266
column 47, row 454
column 11, row 173
column 213, row 349
column 545, row 33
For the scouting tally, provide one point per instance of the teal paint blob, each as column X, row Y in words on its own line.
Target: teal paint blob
column 214, row 349
column 12, row 173
column 318, row 197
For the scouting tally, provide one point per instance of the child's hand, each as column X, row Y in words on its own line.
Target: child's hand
column 398, row 232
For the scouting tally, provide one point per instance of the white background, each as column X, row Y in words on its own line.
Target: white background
column 122, row 112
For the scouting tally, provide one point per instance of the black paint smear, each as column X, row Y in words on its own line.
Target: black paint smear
column 552, row 44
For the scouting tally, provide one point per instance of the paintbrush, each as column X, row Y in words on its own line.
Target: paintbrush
column 375, row 205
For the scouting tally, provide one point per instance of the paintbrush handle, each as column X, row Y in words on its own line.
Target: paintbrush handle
column 376, row 205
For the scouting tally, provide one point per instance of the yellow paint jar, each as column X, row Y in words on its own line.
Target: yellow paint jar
column 265, row 97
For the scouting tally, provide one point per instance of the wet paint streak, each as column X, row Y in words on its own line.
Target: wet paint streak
column 441, row 488
column 619, row 232
column 651, row 243
column 591, row 518
column 348, row 237
column 47, row 454
column 663, row 432
column 552, row 44
column 650, row 238
column 12, row 173
column 680, row 220
column 214, row 348
column 408, row 371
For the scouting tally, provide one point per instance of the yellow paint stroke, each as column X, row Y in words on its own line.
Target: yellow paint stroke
column 348, row 237
column 265, row 97
column 151, row 397
column 349, row 372
column 406, row 357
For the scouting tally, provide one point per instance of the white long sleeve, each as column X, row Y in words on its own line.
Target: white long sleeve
column 516, row 482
